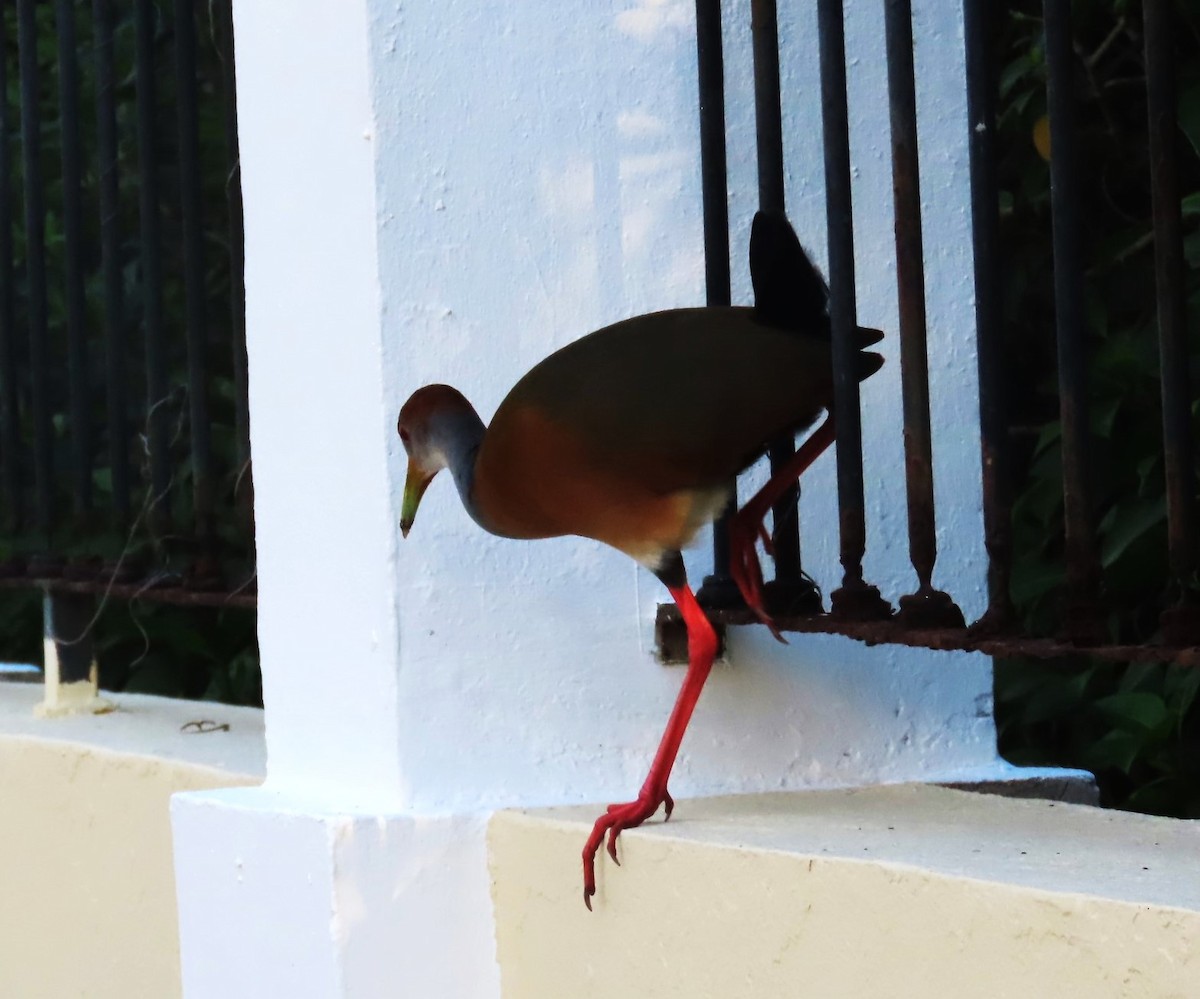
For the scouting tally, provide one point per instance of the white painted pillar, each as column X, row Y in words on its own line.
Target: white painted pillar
column 323, row 883
column 447, row 192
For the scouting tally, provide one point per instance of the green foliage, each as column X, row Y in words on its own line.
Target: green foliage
column 20, row 626
column 195, row 652
column 1136, row 726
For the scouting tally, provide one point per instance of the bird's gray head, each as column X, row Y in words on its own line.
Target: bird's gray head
column 436, row 426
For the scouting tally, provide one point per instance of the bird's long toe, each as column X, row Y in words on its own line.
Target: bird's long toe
column 745, row 530
column 765, row 537
column 615, row 820
column 744, row 564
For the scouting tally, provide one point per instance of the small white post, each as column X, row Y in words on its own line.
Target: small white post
column 72, row 678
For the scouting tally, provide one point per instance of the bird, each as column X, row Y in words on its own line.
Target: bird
column 633, row 436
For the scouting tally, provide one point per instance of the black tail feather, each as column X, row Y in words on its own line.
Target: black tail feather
column 789, row 291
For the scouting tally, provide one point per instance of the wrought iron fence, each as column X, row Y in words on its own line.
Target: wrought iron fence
column 124, row 456
column 124, row 444
column 928, row 617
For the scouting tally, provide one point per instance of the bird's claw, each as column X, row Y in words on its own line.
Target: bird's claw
column 613, row 833
column 765, row 537
column 745, row 530
column 611, row 824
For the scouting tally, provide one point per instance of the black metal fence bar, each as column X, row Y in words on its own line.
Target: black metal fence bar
column 10, row 434
column 1181, row 624
column 72, row 208
column 768, row 120
column 35, row 269
column 979, row 21
column 237, row 249
column 178, row 596
column 719, row 588
column 926, row 607
column 910, row 289
column 151, row 267
column 1082, row 619
column 110, row 259
column 768, row 114
column 854, row 599
column 193, row 267
column 713, row 165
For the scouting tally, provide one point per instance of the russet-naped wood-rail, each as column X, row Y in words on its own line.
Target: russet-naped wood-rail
column 633, row 435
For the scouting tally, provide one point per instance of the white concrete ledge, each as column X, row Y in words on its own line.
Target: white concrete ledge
column 232, row 739
column 87, row 888
column 894, row 891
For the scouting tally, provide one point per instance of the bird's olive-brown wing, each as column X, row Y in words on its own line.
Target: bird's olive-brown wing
column 677, row 400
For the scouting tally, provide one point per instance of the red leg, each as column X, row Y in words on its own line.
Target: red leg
column 702, row 649
column 746, row 526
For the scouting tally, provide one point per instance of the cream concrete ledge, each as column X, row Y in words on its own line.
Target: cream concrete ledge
column 893, row 891
column 87, row 887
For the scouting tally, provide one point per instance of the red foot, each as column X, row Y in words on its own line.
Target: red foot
column 745, row 530
column 746, row 526
column 613, row 821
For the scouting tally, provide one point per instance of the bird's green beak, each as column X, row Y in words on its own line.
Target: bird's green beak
column 415, row 483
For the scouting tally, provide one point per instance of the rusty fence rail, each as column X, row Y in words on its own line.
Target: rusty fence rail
column 929, row 617
column 124, row 445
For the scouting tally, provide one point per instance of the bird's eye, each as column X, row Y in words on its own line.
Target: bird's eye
column 403, row 435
